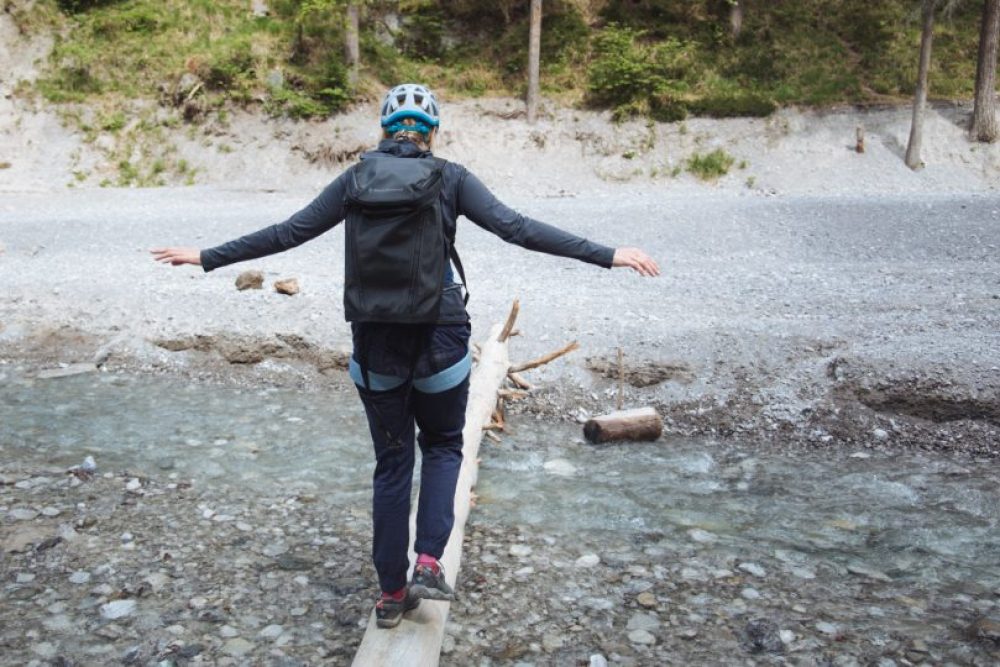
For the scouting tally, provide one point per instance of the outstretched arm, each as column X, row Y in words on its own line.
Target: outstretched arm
column 480, row 205
column 322, row 214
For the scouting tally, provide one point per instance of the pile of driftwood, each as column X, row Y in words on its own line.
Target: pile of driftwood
column 637, row 424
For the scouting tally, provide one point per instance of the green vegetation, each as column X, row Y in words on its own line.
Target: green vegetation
column 710, row 166
column 664, row 59
column 130, row 69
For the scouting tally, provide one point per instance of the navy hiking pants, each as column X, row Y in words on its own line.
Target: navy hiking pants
column 440, row 418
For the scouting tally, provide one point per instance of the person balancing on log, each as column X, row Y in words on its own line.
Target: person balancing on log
column 410, row 329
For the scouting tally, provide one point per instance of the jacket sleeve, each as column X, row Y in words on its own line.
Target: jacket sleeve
column 321, row 215
column 478, row 204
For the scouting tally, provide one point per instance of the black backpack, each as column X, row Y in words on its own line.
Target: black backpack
column 396, row 242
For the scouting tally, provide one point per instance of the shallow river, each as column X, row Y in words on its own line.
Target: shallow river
column 912, row 522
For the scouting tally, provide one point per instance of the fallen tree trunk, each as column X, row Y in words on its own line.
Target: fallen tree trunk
column 638, row 424
column 417, row 640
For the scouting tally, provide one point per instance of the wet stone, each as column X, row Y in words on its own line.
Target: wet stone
column 754, row 569
column 641, row 621
column 763, row 636
column 118, row 609
column 237, row 647
column 647, row 600
column 641, row 637
column 985, row 629
column 827, row 628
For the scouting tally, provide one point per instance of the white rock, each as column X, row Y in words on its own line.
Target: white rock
column 243, row 526
column 703, row 536
column 118, row 609
column 79, row 577
column 827, row 628
column 24, row 577
column 207, row 514
column 51, row 511
column 641, row 621
column 271, row 632
column 786, row 636
column 641, row 637
column 880, row 434
column 133, row 484
column 598, row 660
column 754, row 569
column 229, row 631
column 520, row 550
column 750, row 594
column 588, row 560
column 236, row 647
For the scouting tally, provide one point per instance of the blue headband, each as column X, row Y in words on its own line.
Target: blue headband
column 400, row 127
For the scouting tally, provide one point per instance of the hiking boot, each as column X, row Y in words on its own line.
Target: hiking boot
column 389, row 612
column 428, row 583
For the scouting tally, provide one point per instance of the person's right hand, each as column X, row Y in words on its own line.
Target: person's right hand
column 177, row 256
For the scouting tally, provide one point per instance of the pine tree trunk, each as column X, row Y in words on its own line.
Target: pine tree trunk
column 534, row 50
column 913, row 160
column 736, row 18
column 984, row 115
column 352, row 49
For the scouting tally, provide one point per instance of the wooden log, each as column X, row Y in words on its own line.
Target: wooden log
column 416, row 641
column 859, row 147
column 638, row 424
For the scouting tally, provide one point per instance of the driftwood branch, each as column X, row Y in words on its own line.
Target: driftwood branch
column 541, row 361
column 508, row 326
column 520, row 382
column 512, row 394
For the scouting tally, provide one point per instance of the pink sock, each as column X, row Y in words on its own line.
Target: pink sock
column 424, row 559
column 397, row 596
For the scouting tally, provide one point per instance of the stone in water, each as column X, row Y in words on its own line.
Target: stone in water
column 117, row 609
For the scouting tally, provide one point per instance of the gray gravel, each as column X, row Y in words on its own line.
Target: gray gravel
column 814, row 319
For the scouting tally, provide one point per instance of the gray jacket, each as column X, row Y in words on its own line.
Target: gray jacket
column 462, row 194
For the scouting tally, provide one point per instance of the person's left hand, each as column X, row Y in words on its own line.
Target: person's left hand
column 637, row 260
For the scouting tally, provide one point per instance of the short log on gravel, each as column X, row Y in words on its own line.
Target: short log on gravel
column 638, row 424
column 417, row 640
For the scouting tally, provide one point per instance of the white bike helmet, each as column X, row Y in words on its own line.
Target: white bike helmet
column 409, row 100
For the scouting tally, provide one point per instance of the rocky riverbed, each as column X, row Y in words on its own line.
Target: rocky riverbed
column 202, row 550
column 114, row 568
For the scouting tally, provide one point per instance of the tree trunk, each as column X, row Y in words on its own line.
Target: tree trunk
column 984, row 113
column 736, row 18
column 534, row 49
column 913, row 160
column 352, row 50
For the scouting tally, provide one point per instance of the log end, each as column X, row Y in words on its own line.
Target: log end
column 640, row 425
